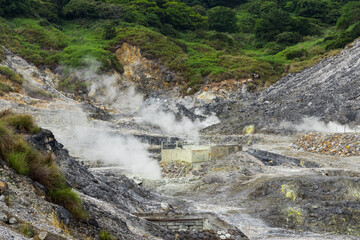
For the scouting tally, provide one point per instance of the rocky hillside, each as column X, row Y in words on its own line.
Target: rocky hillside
column 328, row 91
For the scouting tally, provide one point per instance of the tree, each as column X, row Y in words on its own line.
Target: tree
column 181, row 16
column 350, row 15
column 109, row 30
column 222, row 19
column 273, row 23
column 60, row 5
column 324, row 10
column 13, row 8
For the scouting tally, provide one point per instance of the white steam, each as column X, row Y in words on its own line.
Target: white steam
column 94, row 141
column 97, row 141
column 314, row 124
column 106, row 90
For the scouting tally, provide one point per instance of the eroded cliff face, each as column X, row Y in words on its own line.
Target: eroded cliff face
column 147, row 74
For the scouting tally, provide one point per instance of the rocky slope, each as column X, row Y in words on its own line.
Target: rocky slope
column 328, row 91
column 264, row 196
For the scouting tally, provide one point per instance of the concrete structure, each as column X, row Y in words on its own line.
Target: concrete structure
column 197, row 153
column 178, row 222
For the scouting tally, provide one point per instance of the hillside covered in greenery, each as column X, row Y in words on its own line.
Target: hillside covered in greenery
column 203, row 40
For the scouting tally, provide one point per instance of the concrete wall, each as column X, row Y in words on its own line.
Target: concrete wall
column 183, row 224
column 171, row 155
column 200, row 155
column 195, row 154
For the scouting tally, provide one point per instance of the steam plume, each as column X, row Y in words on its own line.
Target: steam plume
column 314, row 124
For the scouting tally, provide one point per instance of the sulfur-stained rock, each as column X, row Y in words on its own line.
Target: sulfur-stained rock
column 250, row 129
column 337, row 144
column 3, row 187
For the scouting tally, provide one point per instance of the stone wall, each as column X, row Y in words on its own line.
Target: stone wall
column 179, row 223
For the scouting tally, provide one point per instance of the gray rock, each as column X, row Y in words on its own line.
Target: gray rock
column 42, row 235
column 3, row 217
column 64, row 215
column 12, row 220
column 24, row 202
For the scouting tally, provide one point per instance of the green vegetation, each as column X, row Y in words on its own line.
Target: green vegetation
column 27, row 161
column 222, row 19
column 4, row 87
column 27, row 230
column 7, row 72
column 105, row 235
column 205, row 41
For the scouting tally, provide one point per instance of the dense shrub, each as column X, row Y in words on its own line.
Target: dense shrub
column 81, row 8
column 109, row 31
column 295, row 53
column 288, row 38
column 222, row 19
column 325, row 10
column 345, row 37
column 91, row 9
column 13, row 8
column 350, row 15
column 273, row 48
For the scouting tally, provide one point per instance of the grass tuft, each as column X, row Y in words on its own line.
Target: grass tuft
column 14, row 77
column 68, row 198
column 18, row 162
column 105, row 235
column 23, row 123
column 25, row 160
column 6, row 140
column 6, row 88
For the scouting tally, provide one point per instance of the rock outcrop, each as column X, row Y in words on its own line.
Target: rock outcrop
column 147, row 74
column 110, row 205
